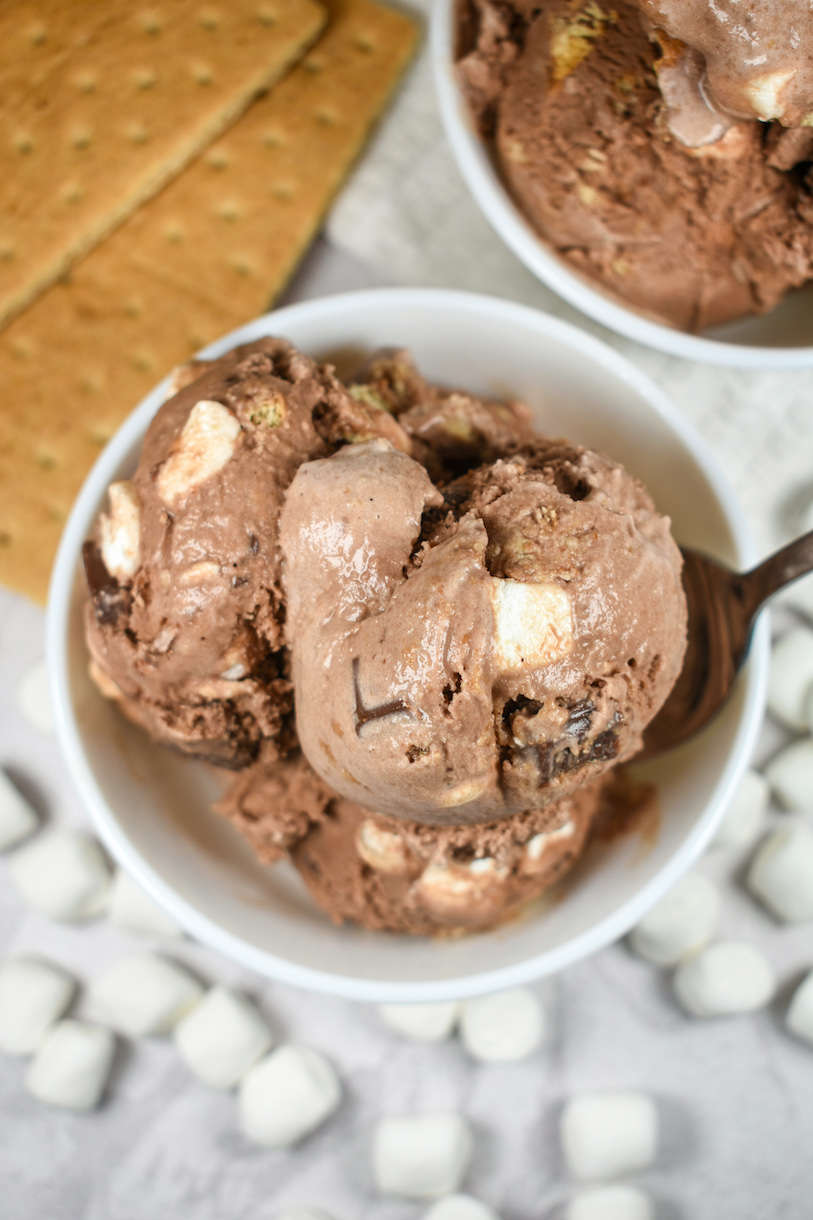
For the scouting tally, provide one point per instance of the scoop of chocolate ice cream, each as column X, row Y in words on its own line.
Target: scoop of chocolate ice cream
column 185, row 623
column 464, row 657
column 384, row 873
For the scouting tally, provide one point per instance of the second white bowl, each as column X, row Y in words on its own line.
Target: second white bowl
column 782, row 338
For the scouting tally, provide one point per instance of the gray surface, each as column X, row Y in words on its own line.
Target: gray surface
column 735, row 1096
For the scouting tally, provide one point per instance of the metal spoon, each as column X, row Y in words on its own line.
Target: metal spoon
column 723, row 606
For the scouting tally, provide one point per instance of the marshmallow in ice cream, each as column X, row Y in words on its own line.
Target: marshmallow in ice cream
column 756, row 59
column 459, row 657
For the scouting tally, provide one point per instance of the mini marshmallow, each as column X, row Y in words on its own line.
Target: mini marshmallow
column 72, row 1066
column 460, row 1207
column 222, row 1037
column 144, row 995
column 799, row 1017
column 63, row 873
column 422, row 1157
column 726, row 978
column 781, row 874
column 680, row 924
column 791, row 677
column 610, row 1203
column 745, row 815
column 429, row 1022
column 134, row 911
column 35, row 698
column 288, row 1095
column 17, row 819
column 205, row 444
column 33, row 995
column 503, row 1028
column 790, row 774
column 606, row 1135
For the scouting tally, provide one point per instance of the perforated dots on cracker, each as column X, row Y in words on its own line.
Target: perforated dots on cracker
column 138, row 92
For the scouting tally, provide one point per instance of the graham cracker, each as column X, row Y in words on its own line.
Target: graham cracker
column 213, row 250
column 103, row 103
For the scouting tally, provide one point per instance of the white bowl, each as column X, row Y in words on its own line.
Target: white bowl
column 151, row 806
column 782, row 338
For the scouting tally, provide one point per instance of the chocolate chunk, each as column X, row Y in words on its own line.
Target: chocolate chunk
column 111, row 600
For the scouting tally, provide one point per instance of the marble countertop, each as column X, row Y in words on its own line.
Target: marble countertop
column 735, row 1096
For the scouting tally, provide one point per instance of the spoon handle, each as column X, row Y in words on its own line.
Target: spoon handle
column 778, row 570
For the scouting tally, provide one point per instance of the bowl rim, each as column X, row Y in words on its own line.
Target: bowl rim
column 201, row 926
column 511, row 226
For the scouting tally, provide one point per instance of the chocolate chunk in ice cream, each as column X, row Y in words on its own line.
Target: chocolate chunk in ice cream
column 467, row 655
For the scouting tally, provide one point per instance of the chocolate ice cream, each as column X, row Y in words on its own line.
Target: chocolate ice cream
column 757, row 58
column 401, row 876
column 474, row 625
column 471, row 654
column 637, row 155
column 185, row 622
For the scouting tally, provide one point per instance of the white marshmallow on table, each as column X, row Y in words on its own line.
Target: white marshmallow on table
column 17, row 819
column 724, row 979
column 134, row 911
column 33, row 995
column 790, row 774
column 63, row 873
column 35, row 698
column 781, row 874
column 610, row 1203
column 504, row 1027
column 143, row 995
column 680, row 924
column 72, row 1066
column 460, row 1207
column 288, row 1095
column 607, row 1135
column 791, row 677
column 430, row 1022
column 745, row 814
column 222, row 1037
column 422, row 1156
column 799, row 1018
